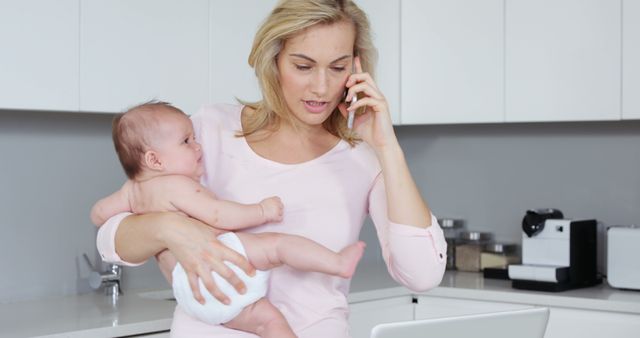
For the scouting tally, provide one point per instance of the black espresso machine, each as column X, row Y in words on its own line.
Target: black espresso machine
column 557, row 254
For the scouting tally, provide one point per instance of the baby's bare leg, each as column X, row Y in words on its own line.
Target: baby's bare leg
column 263, row 319
column 268, row 250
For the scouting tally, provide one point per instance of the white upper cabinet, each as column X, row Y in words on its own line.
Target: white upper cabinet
column 233, row 27
column 439, row 61
column 39, row 58
column 134, row 51
column 563, row 60
column 452, row 61
column 384, row 18
column 631, row 59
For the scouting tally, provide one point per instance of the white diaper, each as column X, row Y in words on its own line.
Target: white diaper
column 213, row 311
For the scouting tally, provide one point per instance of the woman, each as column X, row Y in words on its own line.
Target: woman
column 295, row 144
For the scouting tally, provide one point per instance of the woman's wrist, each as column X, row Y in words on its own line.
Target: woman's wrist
column 165, row 222
column 390, row 153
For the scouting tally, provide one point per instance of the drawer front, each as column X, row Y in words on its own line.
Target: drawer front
column 438, row 307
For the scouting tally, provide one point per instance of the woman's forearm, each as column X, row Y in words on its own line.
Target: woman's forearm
column 140, row 237
column 132, row 239
column 404, row 202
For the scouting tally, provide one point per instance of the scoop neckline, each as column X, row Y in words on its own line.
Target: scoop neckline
column 257, row 156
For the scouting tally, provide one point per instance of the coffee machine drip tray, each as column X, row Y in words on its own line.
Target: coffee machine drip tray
column 539, row 273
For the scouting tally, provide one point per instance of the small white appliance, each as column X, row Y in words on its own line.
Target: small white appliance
column 623, row 265
column 557, row 254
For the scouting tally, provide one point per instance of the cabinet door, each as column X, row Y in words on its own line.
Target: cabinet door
column 134, row 51
column 233, row 27
column 563, row 60
column 438, row 307
column 365, row 315
column 565, row 322
column 384, row 18
column 631, row 59
column 39, row 58
column 452, row 61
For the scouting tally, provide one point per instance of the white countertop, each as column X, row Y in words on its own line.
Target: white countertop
column 89, row 315
column 93, row 315
column 467, row 285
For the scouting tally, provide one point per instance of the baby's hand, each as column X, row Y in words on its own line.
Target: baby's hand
column 272, row 209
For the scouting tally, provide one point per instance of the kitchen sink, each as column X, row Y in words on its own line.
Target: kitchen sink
column 158, row 295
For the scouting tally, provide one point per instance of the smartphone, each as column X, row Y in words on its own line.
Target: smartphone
column 354, row 99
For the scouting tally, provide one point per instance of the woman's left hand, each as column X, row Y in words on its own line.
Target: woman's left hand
column 374, row 125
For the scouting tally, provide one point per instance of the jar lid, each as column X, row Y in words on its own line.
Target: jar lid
column 450, row 223
column 475, row 236
column 505, row 248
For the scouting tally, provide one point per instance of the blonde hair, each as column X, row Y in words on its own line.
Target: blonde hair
column 287, row 19
column 132, row 133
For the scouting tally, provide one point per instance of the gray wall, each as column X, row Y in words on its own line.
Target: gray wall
column 53, row 166
column 490, row 175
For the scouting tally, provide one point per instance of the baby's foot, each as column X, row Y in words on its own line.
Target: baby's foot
column 350, row 256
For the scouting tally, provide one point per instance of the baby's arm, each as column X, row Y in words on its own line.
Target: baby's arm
column 111, row 205
column 196, row 201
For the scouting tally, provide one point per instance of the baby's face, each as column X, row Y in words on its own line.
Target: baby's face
column 176, row 147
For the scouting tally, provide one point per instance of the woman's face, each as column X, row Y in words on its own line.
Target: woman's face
column 314, row 66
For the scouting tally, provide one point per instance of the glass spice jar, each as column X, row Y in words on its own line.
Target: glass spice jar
column 451, row 228
column 499, row 255
column 469, row 249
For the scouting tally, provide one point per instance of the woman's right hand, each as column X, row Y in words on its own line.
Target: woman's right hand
column 196, row 248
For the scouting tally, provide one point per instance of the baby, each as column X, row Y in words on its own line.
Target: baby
column 155, row 144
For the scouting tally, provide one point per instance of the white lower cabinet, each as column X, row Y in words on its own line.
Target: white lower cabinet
column 437, row 307
column 564, row 322
column 365, row 315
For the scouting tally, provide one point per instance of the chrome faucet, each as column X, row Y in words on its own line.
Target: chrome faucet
column 109, row 279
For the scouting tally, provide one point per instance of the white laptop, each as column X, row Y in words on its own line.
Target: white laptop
column 528, row 323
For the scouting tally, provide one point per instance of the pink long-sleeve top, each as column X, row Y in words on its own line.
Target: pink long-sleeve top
column 326, row 199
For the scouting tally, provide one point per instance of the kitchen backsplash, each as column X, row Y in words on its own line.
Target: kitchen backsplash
column 55, row 165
